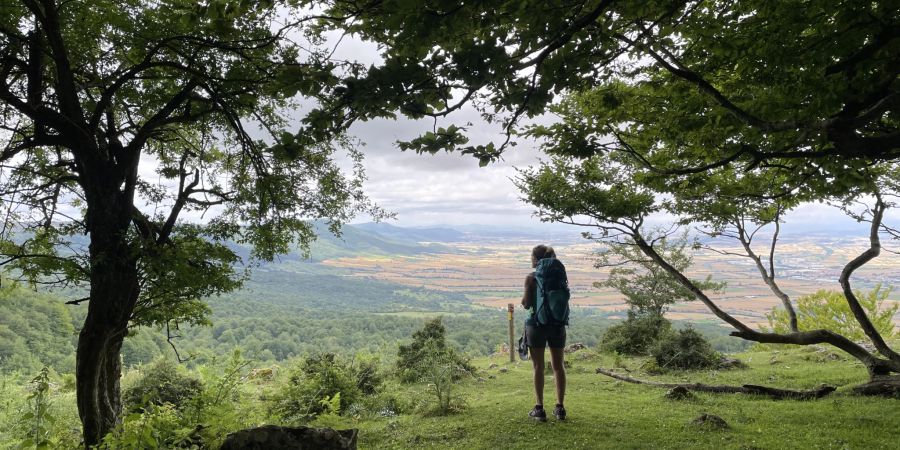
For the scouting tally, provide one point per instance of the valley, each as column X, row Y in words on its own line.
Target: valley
column 491, row 273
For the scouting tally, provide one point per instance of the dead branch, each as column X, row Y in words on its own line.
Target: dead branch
column 775, row 393
column 885, row 387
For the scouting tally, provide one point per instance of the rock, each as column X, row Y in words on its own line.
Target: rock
column 572, row 348
column 679, row 393
column 481, row 379
column 492, row 366
column 731, row 363
column 272, row 437
column 710, row 421
column 504, row 370
column 491, row 377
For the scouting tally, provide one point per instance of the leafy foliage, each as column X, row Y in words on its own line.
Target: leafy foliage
column 829, row 310
column 38, row 416
column 429, row 345
column 324, row 384
column 675, row 84
column 92, row 89
column 648, row 288
column 684, row 349
column 157, row 426
column 162, row 383
column 636, row 335
column 441, row 371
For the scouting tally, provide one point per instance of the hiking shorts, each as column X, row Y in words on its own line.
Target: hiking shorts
column 541, row 336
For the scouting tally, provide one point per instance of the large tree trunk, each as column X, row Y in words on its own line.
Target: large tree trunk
column 98, row 368
column 114, row 293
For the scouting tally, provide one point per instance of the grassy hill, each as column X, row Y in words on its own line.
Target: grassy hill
column 605, row 413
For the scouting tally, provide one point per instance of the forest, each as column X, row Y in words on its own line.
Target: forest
column 166, row 168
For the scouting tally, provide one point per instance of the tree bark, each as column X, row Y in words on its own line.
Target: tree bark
column 884, row 387
column 745, row 389
column 114, row 293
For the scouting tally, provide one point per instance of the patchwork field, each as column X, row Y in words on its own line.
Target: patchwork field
column 492, row 274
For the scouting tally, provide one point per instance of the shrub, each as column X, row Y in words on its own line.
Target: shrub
column 829, row 310
column 428, row 343
column 162, row 382
column 325, row 384
column 684, row 349
column 157, row 426
column 38, row 417
column 367, row 374
column 636, row 335
column 441, row 370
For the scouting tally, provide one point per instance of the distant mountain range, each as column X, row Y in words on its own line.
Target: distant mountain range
column 474, row 232
column 424, row 234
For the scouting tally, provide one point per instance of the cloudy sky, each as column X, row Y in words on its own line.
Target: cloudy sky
column 445, row 188
column 450, row 189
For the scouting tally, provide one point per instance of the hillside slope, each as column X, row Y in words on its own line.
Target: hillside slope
column 605, row 413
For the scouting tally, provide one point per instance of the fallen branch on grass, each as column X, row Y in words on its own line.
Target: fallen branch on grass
column 745, row 389
column 884, row 387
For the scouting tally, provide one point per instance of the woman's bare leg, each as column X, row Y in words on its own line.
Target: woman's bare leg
column 559, row 373
column 537, row 361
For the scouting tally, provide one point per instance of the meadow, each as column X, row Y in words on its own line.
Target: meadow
column 492, row 405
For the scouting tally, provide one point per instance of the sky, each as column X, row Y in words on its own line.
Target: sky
column 448, row 189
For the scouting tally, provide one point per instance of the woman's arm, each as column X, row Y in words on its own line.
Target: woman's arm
column 528, row 297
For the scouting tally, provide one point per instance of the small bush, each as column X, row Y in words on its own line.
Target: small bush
column 636, row 335
column 429, row 342
column 325, row 384
column 162, row 382
column 684, row 349
column 441, row 371
column 157, row 426
column 367, row 374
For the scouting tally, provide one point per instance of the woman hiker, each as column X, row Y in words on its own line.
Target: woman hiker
column 538, row 336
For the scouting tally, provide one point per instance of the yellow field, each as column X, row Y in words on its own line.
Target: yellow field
column 493, row 274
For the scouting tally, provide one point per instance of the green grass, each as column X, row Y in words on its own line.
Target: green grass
column 605, row 413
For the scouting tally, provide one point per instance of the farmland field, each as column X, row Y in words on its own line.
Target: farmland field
column 492, row 274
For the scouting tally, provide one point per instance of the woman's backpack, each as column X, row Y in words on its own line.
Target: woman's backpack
column 552, row 300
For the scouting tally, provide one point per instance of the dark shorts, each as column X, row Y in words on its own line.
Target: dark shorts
column 540, row 336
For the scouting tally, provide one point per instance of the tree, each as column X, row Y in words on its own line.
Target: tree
column 605, row 194
column 683, row 86
column 94, row 93
column 739, row 110
column 647, row 287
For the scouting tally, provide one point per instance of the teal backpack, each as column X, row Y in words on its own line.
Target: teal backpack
column 552, row 302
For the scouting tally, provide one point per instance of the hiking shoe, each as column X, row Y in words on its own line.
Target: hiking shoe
column 538, row 414
column 559, row 412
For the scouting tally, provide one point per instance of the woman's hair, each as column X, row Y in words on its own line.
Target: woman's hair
column 543, row 251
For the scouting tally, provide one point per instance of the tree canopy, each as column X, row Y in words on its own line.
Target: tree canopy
column 122, row 119
column 681, row 85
